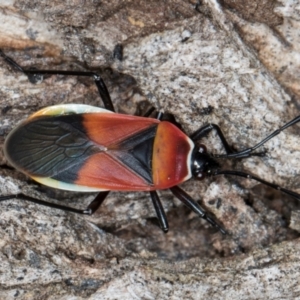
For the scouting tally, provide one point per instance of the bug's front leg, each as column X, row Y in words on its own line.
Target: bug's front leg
column 205, row 130
column 230, row 152
column 248, row 152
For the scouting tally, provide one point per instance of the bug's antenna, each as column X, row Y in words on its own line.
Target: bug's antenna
column 247, row 152
column 249, row 176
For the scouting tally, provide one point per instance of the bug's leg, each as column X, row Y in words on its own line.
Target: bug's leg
column 248, row 152
column 94, row 205
column 171, row 118
column 161, row 215
column 162, row 116
column 149, row 112
column 194, row 206
column 205, row 130
column 35, row 75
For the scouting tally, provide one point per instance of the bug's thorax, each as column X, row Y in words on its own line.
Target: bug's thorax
column 172, row 152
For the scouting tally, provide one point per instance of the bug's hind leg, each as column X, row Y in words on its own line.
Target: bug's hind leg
column 194, row 206
column 92, row 207
column 161, row 215
column 35, row 75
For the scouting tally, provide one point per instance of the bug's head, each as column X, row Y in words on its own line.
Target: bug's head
column 202, row 163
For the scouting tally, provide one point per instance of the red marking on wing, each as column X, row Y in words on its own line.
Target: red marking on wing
column 104, row 172
column 107, row 129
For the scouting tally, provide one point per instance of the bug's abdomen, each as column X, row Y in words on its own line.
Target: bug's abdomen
column 171, row 156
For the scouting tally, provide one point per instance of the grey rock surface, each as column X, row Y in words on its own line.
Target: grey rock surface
column 214, row 64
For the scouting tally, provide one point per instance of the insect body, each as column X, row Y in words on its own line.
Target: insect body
column 92, row 149
column 85, row 148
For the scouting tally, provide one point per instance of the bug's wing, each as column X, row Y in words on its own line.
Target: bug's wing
column 49, row 146
column 94, row 150
column 126, row 164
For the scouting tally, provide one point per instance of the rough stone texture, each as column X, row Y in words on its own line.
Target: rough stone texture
column 211, row 64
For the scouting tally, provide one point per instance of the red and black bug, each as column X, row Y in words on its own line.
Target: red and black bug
column 84, row 148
